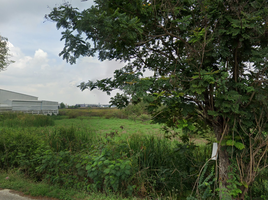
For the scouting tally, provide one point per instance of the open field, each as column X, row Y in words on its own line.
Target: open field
column 103, row 126
column 97, row 119
column 84, row 153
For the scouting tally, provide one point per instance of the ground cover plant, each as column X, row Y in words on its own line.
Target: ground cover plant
column 15, row 180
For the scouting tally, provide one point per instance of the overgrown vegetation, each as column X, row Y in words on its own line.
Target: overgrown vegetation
column 4, row 53
column 74, row 155
column 24, row 120
column 133, row 112
column 208, row 61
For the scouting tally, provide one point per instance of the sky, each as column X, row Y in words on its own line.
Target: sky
column 35, row 45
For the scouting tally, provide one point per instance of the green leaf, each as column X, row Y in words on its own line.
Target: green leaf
column 239, row 145
column 122, row 166
column 195, row 77
column 88, row 167
column 128, row 167
column 230, row 142
column 191, row 127
column 106, row 162
column 213, row 113
column 118, row 174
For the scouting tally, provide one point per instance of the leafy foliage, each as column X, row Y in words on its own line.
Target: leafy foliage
column 62, row 105
column 209, row 60
column 73, row 157
column 15, row 144
column 4, row 53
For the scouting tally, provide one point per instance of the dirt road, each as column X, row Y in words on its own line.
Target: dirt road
column 7, row 194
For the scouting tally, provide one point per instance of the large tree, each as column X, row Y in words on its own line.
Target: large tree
column 4, row 53
column 209, row 60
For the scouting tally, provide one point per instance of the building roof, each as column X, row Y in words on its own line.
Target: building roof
column 17, row 93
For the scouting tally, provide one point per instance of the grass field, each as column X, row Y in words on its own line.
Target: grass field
column 102, row 126
column 97, row 152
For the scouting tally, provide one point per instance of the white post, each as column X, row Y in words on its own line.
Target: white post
column 214, row 154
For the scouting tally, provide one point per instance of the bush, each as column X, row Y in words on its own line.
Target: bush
column 136, row 109
column 16, row 145
column 105, row 169
column 72, row 114
column 133, row 117
column 144, row 117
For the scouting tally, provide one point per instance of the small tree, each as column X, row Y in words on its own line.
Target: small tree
column 62, row 105
column 209, row 60
column 4, row 55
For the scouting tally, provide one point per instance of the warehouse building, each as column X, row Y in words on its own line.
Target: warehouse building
column 13, row 101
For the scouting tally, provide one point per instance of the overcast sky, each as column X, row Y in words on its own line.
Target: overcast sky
column 35, row 45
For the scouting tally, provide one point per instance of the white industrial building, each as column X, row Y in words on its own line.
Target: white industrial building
column 13, row 101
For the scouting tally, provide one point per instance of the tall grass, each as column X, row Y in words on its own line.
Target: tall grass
column 25, row 120
column 166, row 165
column 74, row 156
column 70, row 138
column 130, row 112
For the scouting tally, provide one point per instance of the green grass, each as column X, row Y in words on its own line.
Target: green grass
column 24, row 120
column 101, row 126
column 63, row 154
column 17, row 181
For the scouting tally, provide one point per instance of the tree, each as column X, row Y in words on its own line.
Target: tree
column 209, row 60
column 4, row 55
column 62, row 105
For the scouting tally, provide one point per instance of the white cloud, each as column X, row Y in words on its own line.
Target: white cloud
column 50, row 78
column 35, row 45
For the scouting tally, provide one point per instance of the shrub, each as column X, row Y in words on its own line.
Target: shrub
column 136, row 109
column 63, row 168
column 105, row 169
column 144, row 117
column 15, row 144
column 108, row 116
column 72, row 114
column 133, row 117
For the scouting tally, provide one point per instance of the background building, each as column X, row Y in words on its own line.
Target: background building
column 13, row 101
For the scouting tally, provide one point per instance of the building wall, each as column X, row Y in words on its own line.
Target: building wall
column 5, row 95
column 21, row 105
column 12, row 101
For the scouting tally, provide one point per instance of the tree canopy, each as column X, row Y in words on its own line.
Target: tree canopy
column 4, row 55
column 209, row 63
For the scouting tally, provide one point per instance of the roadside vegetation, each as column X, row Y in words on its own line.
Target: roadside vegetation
column 107, row 154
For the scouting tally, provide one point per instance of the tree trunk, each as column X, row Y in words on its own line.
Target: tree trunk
column 223, row 174
column 223, row 166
